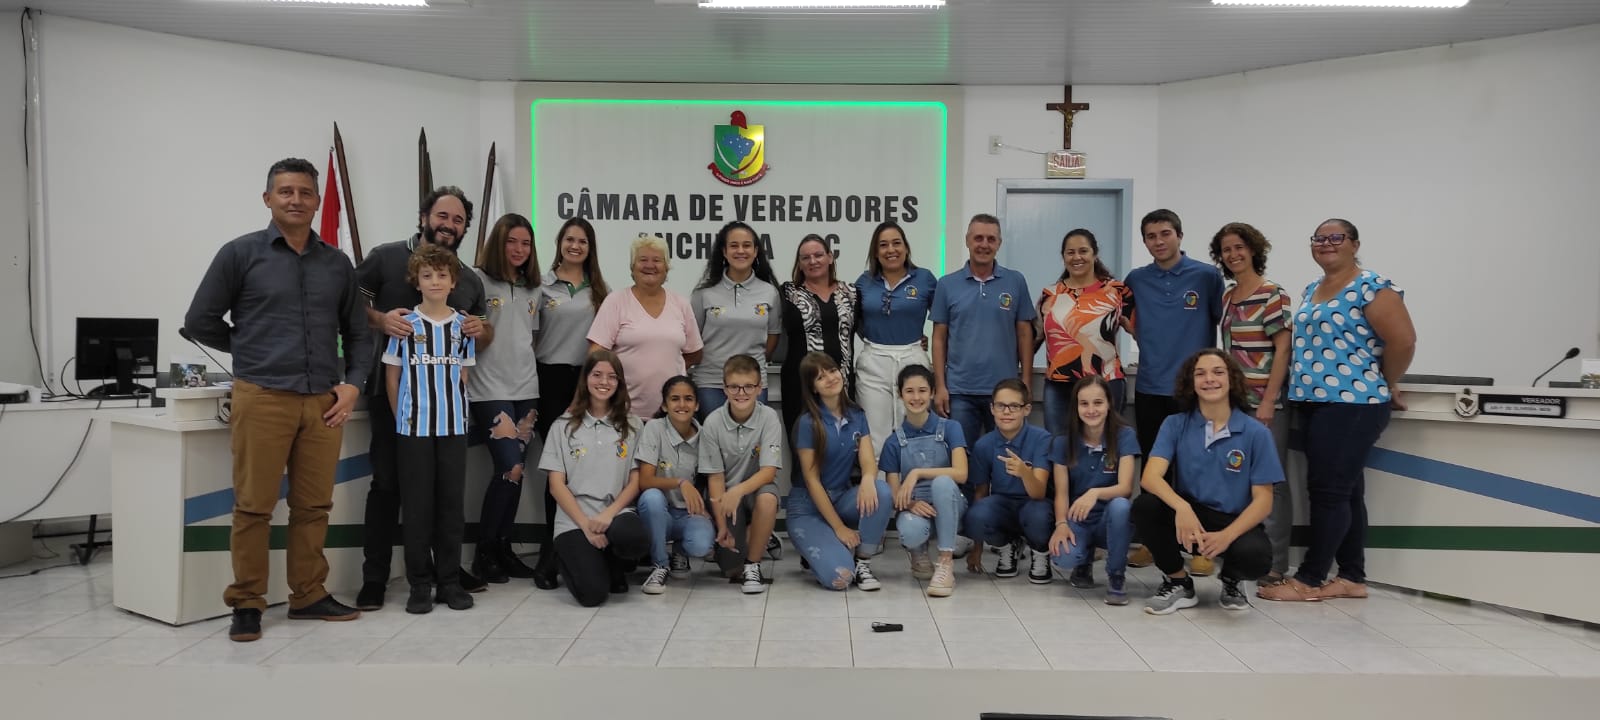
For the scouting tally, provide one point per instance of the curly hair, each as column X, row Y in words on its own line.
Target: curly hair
column 1185, row 393
column 431, row 256
column 1253, row 239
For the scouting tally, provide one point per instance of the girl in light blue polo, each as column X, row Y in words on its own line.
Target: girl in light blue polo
column 672, row 503
column 1094, row 465
column 925, row 461
column 831, row 521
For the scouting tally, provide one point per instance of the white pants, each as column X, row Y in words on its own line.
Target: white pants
column 877, row 369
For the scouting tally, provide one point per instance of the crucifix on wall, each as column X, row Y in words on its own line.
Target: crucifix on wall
column 1068, row 109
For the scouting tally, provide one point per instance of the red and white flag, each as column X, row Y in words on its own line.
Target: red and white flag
column 335, row 228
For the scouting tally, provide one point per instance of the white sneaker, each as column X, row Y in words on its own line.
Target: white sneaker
column 753, row 582
column 656, row 583
column 864, row 577
column 1039, row 567
column 944, row 580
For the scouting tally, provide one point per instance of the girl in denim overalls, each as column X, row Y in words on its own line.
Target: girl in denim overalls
column 926, row 461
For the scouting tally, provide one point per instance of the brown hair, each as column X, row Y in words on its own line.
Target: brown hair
column 1185, row 394
column 591, row 264
column 428, row 255
column 493, row 259
column 1253, row 239
column 874, row 265
column 1100, row 271
column 741, row 365
column 799, row 276
column 814, row 364
column 617, row 408
column 1114, row 422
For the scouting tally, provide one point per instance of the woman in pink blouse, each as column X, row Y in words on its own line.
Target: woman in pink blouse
column 650, row 328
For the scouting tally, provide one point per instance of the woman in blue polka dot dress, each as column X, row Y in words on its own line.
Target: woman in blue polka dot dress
column 1353, row 339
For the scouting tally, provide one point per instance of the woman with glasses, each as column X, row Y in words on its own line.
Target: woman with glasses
column 1353, row 340
column 1255, row 333
column 895, row 298
column 819, row 315
column 1080, row 316
column 736, row 307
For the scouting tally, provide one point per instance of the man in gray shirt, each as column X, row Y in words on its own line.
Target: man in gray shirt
column 290, row 298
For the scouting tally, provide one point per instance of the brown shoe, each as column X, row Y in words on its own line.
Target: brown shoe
column 1201, row 566
column 1140, row 557
column 1291, row 590
column 1342, row 588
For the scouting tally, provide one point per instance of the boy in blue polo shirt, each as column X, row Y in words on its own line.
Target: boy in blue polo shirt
column 982, row 331
column 1176, row 305
column 1225, row 464
column 1010, row 473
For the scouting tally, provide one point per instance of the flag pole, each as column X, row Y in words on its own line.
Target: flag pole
column 488, row 188
column 424, row 168
column 349, row 199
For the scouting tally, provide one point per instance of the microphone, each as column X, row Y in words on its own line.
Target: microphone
column 1572, row 353
column 183, row 332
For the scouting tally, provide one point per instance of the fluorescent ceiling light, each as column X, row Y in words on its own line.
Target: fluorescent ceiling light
column 1436, row 4
column 820, row 4
column 397, row 3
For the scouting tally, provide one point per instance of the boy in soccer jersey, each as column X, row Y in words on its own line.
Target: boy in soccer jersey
column 426, row 378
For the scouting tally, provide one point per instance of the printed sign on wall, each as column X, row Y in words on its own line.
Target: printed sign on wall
column 681, row 169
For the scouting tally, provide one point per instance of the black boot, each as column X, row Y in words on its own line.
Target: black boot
column 544, row 572
column 486, row 565
column 471, row 583
column 512, row 564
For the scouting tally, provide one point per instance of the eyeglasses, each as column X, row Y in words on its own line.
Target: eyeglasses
column 1335, row 239
column 741, row 389
column 1010, row 407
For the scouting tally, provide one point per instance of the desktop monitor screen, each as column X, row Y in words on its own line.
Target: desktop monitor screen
column 119, row 348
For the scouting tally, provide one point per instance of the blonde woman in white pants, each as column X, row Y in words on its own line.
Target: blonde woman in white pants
column 895, row 298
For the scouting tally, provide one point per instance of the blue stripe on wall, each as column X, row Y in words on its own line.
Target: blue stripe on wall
column 220, row 502
column 1555, row 500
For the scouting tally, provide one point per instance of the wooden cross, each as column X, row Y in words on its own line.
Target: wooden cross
column 1068, row 109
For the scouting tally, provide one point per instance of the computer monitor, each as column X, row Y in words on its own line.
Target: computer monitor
column 120, row 349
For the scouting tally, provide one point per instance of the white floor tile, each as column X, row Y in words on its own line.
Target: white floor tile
column 1482, row 661
column 152, row 629
column 446, row 623
column 44, row 651
column 1175, row 629
column 20, row 623
column 382, row 624
column 980, row 630
column 1189, row 658
column 970, row 605
column 422, row 651
column 1460, row 613
column 996, row 655
column 802, row 629
column 518, row 651
column 872, row 653
column 711, row 603
column 99, row 623
column 1384, row 660
column 1301, row 612
column 1521, row 637
column 1566, row 662
column 1441, row 636
column 804, row 653
column 712, row 628
column 1349, row 632
column 1111, row 656
column 1284, row 658
column 706, row 653
column 811, row 601
column 552, row 626
column 325, row 651
column 629, row 627
column 913, row 630
column 1379, row 610
column 635, row 603
column 133, row 651
column 222, row 651
column 1243, row 628
column 1072, row 630
column 613, row 652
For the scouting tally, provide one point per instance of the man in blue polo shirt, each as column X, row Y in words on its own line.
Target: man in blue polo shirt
column 1177, row 303
column 982, row 331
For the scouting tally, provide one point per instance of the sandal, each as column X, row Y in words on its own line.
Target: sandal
column 1290, row 590
column 1342, row 588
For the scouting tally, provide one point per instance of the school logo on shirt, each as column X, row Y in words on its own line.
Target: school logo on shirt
column 762, row 309
column 1235, row 459
column 714, row 311
column 1109, row 464
column 551, row 303
column 1191, row 300
column 773, row 448
column 911, row 292
column 1005, row 300
column 577, row 453
column 663, row 466
column 495, row 303
column 622, row 448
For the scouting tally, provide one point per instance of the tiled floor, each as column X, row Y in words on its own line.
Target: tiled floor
column 65, row 616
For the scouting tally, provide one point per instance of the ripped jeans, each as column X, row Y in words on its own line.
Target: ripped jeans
column 508, row 425
column 832, row 563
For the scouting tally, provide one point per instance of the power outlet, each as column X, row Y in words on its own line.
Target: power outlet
column 995, row 144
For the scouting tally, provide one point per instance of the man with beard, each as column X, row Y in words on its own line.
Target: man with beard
column 442, row 220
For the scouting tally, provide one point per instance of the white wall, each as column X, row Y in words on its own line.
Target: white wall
column 1470, row 171
column 157, row 147
column 16, row 352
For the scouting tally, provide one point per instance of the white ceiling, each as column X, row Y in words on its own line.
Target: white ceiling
column 972, row 42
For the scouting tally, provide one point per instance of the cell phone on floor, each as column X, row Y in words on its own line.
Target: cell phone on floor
column 887, row 627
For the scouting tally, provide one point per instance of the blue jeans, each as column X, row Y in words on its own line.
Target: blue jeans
column 508, row 426
column 1337, row 438
column 663, row 522
column 712, row 398
column 945, row 496
column 1107, row 526
column 1058, row 405
column 999, row 519
column 971, row 412
column 832, row 563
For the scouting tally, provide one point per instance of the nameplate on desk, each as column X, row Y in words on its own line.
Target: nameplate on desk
column 1537, row 406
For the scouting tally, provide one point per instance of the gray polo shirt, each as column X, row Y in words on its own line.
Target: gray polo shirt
column 596, row 460
column 735, row 319
column 674, row 455
column 739, row 450
column 565, row 315
column 505, row 369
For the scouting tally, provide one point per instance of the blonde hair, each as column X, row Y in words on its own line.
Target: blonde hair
column 646, row 240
